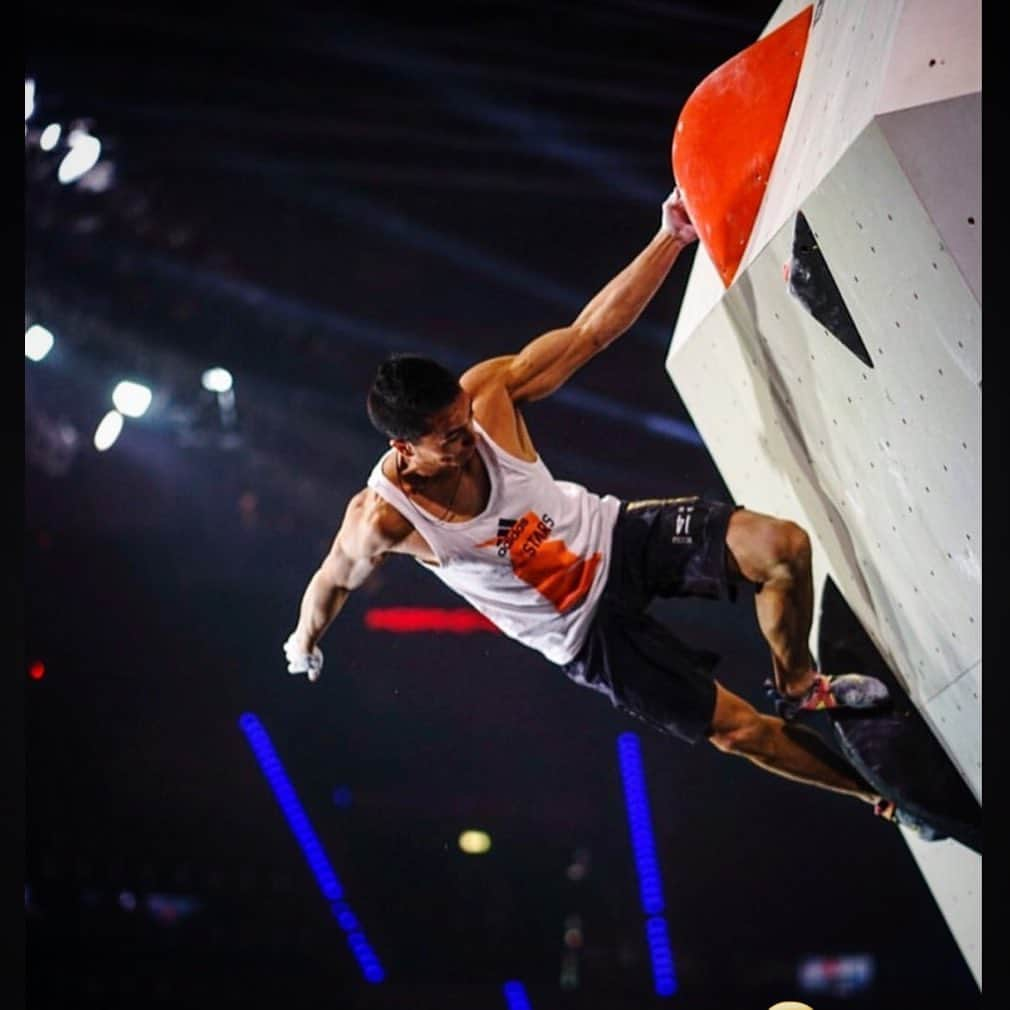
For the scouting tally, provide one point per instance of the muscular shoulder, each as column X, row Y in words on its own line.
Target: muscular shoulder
column 487, row 376
column 370, row 523
column 495, row 409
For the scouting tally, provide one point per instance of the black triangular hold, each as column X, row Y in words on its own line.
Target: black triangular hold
column 811, row 283
column 894, row 749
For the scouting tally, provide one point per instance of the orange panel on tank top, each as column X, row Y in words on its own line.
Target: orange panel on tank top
column 550, row 567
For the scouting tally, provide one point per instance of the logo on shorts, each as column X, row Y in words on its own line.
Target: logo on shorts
column 682, row 524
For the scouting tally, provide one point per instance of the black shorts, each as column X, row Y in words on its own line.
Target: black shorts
column 667, row 547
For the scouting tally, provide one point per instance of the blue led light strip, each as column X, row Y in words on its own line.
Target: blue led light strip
column 515, row 996
column 643, row 846
column 309, row 843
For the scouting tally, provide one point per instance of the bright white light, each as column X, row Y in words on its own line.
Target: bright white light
column 217, row 380
column 50, row 137
column 474, row 842
column 83, row 155
column 131, row 398
column 29, row 98
column 108, row 430
column 38, row 342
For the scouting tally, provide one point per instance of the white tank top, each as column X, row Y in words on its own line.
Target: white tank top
column 534, row 562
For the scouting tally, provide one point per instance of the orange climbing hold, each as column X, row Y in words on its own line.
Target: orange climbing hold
column 728, row 134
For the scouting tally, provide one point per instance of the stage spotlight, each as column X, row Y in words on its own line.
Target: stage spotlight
column 50, row 137
column 217, row 380
column 108, row 430
column 38, row 342
column 131, row 398
column 29, row 98
column 474, row 843
column 83, row 155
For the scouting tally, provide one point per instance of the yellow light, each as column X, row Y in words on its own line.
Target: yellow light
column 474, row 842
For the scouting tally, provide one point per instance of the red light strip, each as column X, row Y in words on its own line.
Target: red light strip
column 407, row 620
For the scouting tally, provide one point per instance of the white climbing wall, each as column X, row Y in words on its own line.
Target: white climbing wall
column 881, row 464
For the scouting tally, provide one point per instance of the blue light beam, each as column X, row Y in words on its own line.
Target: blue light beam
column 515, row 996
column 312, row 849
column 643, row 845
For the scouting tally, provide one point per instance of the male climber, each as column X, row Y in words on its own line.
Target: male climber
column 570, row 573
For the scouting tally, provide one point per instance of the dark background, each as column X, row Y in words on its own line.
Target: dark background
column 293, row 193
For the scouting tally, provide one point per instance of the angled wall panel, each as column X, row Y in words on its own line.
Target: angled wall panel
column 881, row 463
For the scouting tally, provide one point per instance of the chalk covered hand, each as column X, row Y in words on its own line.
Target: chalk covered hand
column 676, row 220
column 300, row 661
